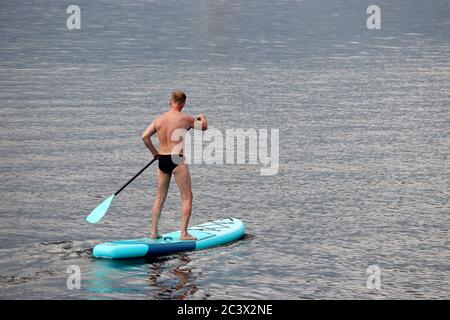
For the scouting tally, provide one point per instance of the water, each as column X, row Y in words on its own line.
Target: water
column 364, row 146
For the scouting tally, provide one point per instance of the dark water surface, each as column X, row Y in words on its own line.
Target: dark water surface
column 364, row 121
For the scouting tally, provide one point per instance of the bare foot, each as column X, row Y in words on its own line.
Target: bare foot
column 155, row 236
column 187, row 236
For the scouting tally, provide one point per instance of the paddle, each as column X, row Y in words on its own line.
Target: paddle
column 101, row 209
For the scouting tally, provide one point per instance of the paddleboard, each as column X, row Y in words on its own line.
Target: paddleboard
column 208, row 235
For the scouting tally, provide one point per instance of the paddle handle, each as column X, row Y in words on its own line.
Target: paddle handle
column 135, row 176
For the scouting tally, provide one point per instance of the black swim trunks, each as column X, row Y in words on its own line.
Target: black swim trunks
column 168, row 162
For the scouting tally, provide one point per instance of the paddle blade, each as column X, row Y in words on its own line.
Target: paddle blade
column 100, row 211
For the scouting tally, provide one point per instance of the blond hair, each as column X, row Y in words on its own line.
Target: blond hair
column 178, row 97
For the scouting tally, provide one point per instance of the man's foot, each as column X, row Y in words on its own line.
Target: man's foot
column 155, row 236
column 187, row 236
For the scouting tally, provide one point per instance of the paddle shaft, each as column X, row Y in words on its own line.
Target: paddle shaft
column 136, row 175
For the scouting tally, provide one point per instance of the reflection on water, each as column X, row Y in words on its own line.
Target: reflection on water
column 182, row 284
column 166, row 277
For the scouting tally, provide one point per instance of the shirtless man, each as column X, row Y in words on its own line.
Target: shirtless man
column 171, row 128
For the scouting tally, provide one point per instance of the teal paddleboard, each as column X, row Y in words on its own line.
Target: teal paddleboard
column 208, row 235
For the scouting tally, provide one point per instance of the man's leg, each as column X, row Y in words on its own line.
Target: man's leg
column 163, row 182
column 183, row 179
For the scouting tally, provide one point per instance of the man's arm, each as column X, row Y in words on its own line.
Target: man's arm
column 146, row 137
column 199, row 123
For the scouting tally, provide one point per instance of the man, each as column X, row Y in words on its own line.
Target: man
column 171, row 128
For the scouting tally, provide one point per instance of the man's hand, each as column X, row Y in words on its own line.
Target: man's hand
column 201, row 117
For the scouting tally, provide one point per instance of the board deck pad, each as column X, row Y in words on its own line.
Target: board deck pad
column 208, row 234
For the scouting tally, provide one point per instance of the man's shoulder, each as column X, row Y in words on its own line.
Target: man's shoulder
column 160, row 117
column 170, row 117
column 158, row 121
column 187, row 116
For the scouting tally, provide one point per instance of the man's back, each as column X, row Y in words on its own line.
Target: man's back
column 170, row 126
